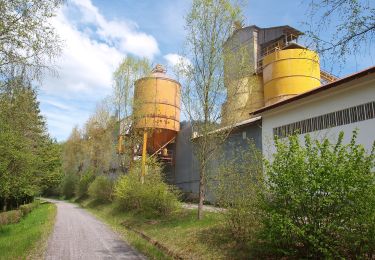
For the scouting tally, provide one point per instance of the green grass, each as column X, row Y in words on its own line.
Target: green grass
column 27, row 239
column 181, row 233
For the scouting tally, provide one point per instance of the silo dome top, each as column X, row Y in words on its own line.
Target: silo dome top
column 159, row 72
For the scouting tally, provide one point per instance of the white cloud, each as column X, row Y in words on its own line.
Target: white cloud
column 123, row 35
column 173, row 59
column 55, row 104
column 93, row 48
column 85, row 65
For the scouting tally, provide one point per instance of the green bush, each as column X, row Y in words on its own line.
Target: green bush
column 68, row 185
column 152, row 198
column 101, row 189
column 319, row 200
column 10, row 217
column 83, row 184
column 27, row 208
column 236, row 182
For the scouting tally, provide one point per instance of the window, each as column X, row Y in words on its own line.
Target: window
column 337, row 118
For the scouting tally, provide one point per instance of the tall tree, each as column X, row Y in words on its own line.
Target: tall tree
column 23, row 137
column 28, row 42
column 99, row 143
column 73, row 152
column 129, row 70
column 209, row 24
column 28, row 45
column 91, row 148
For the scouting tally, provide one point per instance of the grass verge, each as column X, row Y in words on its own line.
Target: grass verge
column 28, row 238
column 181, row 233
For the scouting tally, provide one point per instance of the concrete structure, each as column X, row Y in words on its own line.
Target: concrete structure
column 344, row 105
column 259, row 63
column 279, row 94
column 186, row 175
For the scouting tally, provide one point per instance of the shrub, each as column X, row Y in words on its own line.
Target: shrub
column 236, row 182
column 152, row 198
column 101, row 189
column 320, row 200
column 68, row 184
column 10, row 217
column 83, row 184
column 27, row 208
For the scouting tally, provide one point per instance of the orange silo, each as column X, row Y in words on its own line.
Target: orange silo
column 157, row 99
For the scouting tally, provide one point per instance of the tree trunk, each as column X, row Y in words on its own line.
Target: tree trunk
column 201, row 196
column 5, row 205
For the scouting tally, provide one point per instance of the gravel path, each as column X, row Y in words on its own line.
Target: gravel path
column 205, row 207
column 79, row 235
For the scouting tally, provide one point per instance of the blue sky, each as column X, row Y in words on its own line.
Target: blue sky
column 99, row 33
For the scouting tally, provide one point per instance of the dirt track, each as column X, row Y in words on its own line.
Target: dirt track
column 79, row 235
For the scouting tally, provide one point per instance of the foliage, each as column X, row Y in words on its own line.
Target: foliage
column 27, row 208
column 353, row 24
column 91, row 148
column 101, row 189
column 73, row 152
column 50, row 182
column 16, row 162
column 236, row 183
column 26, row 151
column 10, row 217
column 99, row 140
column 153, row 197
column 83, row 183
column 320, row 200
column 128, row 71
column 208, row 25
column 50, row 168
column 68, row 185
column 24, row 239
column 28, row 41
column 28, row 44
column 14, row 216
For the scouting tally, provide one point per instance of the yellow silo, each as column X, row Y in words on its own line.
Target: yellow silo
column 243, row 96
column 289, row 72
column 120, row 146
column 157, row 108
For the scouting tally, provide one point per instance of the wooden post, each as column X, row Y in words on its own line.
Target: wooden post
column 144, row 154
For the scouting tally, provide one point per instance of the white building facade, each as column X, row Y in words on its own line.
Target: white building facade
column 344, row 105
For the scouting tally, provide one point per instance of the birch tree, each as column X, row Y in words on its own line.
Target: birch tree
column 28, row 41
column 129, row 70
column 209, row 24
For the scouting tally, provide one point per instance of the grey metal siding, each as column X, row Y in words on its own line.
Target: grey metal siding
column 187, row 174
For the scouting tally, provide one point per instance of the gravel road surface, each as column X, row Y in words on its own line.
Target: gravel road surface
column 79, row 235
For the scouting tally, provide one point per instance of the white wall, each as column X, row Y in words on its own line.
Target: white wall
column 354, row 93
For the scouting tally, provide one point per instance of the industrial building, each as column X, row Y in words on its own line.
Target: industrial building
column 283, row 91
column 344, row 105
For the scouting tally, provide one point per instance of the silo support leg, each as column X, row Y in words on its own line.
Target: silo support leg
column 144, row 154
